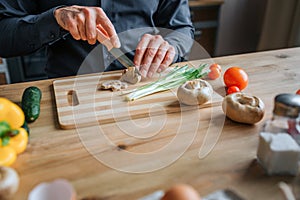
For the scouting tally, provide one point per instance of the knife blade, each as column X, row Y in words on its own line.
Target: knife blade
column 121, row 57
column 103, row 38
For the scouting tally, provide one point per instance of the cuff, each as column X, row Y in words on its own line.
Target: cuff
column 50, row 31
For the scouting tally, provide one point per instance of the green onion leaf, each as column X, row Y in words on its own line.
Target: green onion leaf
column 175, row 78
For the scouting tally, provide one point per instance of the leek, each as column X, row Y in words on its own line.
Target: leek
column 173, row 79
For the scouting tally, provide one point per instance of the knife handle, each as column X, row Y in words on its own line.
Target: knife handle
column 103, row 38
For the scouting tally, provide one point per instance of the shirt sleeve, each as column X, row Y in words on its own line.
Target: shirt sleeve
column 23, row 31
column 174, row 16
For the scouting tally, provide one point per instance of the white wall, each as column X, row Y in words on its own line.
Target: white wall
column 240, row 26
column 281, row 25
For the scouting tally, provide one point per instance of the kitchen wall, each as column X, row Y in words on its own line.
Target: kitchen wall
column 281, row 25
column 240, row 26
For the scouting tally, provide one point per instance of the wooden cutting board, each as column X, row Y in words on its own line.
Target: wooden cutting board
column 80, row 103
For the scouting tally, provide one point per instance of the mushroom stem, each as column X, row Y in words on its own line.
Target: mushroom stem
column 247, row 101
column 195, row 92
column 131, row 76
column 243, row 108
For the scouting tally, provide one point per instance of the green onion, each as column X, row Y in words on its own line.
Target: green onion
column 175, row 78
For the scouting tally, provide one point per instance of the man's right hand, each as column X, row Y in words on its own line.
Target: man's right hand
column 82, row 22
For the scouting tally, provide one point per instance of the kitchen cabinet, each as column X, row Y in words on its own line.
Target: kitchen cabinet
column 28, row 68
column 205, row 18
column 4, row 76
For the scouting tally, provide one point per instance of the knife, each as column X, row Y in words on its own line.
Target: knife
column 103, row 37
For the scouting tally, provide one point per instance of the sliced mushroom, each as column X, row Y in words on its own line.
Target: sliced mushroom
column 195, row 92
column 9, row 182
column 131, row 76
column 243, row 108
column 113, row 85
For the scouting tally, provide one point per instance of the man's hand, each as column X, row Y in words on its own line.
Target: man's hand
column 153, row 54
column 82, row 22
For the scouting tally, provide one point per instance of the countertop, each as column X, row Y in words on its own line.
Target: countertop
column 214, row 152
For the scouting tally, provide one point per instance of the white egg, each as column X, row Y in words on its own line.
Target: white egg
column 59, row 189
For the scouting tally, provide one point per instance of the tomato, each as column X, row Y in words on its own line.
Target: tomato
column 215, row 66
column 235, row 76
column 298, row 92
column 214, row 73
column 233, row 89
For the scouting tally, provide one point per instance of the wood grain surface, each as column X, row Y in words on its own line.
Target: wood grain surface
column 209, row 158
column 95, row 106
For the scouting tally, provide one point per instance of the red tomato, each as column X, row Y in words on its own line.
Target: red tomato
column 236, row 76
column 215, row 66
column 298, row 92
column 233, row 89
column 214, row 73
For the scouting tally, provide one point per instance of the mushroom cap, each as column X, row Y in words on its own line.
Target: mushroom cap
column 243, row 108
column 195, row 92
column 130, row 76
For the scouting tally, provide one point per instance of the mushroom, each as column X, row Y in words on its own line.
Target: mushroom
column 9, row 182
column 130, row 75
column 113, row 85
column 195, row 92
column 243, row 108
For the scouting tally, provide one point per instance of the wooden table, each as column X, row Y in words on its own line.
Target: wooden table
column 55, row 153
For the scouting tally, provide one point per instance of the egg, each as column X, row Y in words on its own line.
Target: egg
column 181, row 192
column 59, row 189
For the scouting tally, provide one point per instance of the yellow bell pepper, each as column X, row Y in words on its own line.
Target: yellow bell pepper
column 11, row 113
column 16, row 145
column 7, row 155
column 19, row 142
column 13, row 138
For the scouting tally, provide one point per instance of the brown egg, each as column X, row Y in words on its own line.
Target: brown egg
column 181, row 192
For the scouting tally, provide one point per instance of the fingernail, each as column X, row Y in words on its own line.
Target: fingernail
column 158, row 70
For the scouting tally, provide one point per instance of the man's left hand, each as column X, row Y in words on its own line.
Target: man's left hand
column 153, row 54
